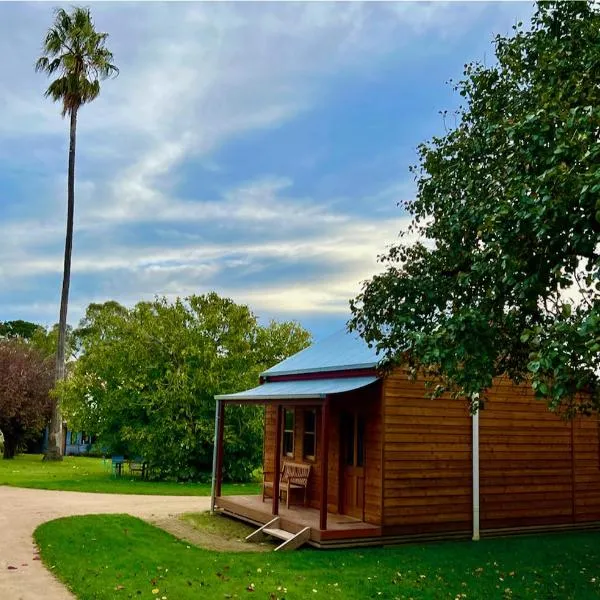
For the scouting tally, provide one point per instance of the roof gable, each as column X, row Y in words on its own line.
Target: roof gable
column 342, row 351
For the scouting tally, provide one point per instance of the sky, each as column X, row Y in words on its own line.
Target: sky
column 259, row 150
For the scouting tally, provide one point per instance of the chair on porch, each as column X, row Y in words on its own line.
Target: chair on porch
column 293, row 476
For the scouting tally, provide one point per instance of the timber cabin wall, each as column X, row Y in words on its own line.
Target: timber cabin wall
column 314, row 482
column 427, row 460
column 535, row 469
column 368, row 402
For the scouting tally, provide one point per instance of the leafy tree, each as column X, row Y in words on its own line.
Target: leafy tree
column 75, row 51
column 507, row 277
column 146, row 378
column 46, row 341
column 25, row 382
column 19, row 328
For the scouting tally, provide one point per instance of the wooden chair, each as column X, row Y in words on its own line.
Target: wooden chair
column 293, row 476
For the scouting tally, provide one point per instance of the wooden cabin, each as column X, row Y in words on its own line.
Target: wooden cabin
column 387, row 464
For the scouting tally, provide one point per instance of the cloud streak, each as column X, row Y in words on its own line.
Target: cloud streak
column 158, row 211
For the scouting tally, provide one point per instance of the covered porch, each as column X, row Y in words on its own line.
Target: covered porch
column 328, row 424
column 340, row 528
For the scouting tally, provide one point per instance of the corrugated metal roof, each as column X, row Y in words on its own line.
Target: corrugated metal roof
column 311, row 388
column 341, row 351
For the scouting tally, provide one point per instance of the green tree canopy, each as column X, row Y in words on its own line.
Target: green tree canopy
column 147, row 376
column 19, row 328
column 506, row 278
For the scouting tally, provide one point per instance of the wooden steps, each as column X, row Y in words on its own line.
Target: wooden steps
column 281, row 534
column 291, row 541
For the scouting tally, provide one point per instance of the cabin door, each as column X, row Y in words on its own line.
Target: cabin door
column 352, row 435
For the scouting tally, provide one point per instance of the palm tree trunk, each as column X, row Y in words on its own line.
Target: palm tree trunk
column 55, row 437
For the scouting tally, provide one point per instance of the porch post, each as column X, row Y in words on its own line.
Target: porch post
column 324, row 462
column 213, row 481
column 277, row 465
column 220, row 426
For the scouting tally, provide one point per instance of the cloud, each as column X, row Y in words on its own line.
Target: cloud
column 196, row 77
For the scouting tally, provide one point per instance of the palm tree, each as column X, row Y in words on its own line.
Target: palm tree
column 76, row 52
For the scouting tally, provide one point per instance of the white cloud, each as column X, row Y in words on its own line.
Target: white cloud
column 195, row 76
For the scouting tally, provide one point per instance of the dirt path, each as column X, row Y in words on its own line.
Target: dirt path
column 22, row 577
column 204, row 539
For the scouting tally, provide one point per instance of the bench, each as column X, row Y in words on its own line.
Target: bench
column 294, row 476
column 137, row 465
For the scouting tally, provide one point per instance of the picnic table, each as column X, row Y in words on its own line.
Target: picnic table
column 117, row 464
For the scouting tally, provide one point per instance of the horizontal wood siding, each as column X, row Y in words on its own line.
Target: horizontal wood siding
column 535, row 468
column 532, row 462
column 586, row 440
column 526, row 460
column 314, row 481
column 368, row 402
column 427, row 460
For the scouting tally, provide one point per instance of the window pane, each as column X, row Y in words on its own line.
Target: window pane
column 288, row 443
column 288, row 432
column 289, row 420
column 309, row 444
column 347, row 433
column 309, row 421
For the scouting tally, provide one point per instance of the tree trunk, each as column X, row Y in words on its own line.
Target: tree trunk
column 10, row 446
column 55, row 437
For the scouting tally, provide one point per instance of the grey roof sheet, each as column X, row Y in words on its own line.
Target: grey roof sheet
column 341, row 351
column 311, row 388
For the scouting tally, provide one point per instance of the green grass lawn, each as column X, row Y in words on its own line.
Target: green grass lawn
column 84, row 474
column 118, row 556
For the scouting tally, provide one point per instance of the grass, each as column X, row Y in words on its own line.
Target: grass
column 84, row 474
column 118, row 556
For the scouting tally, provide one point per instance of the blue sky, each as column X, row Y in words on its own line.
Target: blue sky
column 258, row 150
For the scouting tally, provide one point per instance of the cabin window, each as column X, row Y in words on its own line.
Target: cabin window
column 288, row 432
column 309, row 444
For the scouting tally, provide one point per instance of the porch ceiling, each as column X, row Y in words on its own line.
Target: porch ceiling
column 306, row 389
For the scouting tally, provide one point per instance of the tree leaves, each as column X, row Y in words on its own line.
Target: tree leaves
column 508, row 204
column 147, row 376
column 26, row 378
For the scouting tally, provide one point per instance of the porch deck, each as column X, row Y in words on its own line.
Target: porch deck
column 341, row 529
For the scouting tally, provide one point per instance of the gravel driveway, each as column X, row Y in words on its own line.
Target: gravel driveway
column 22, row 577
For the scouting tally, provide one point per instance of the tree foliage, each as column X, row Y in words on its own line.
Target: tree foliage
column 147, row 376
column 507, row 276
column 26, row 379
column 75, row 51
column 18, row 329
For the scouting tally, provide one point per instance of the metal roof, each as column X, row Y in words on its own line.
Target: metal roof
column 310, row 388
column 341, row 351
